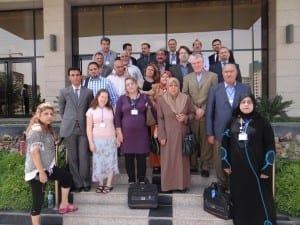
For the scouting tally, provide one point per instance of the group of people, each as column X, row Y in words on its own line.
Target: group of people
column 108, row 111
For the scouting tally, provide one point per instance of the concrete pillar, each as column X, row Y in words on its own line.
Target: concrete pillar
column 57, row 22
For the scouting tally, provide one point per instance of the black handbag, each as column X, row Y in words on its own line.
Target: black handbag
column 154, row 145
column 217, row 202
column 189, row 144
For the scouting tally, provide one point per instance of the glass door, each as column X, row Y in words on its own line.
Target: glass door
column 17, row 87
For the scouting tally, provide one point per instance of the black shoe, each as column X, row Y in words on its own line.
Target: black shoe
column 204, row 173
column 156, row 170
column 194, row 170
column 76, row 190
column 87, row 189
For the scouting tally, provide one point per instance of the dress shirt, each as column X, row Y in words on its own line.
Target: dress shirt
column 230, row 91
column 95, row 84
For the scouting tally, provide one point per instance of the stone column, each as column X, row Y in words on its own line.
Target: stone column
column 57, row 21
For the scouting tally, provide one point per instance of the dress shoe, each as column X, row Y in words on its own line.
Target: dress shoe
column 76, row 190
column 204, row 173
column 194, row 170
column 87, row 189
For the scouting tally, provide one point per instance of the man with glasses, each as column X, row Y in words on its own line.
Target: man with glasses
column 223, row 98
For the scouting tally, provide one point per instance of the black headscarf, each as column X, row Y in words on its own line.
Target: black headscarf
column 238, row 113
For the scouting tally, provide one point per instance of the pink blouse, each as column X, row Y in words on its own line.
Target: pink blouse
column 103, row 122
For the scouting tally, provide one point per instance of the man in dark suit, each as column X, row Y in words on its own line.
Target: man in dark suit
column 183, row 67
column 223, row 98
column 146, row 57
column 172, row 57
column 224, row 59
column 74, row 101
column 161, row 60
column 216, row 45
column 128, row 48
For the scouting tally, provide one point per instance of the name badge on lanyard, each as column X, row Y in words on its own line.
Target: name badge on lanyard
column 243, row 136
column 102, row 125
column 134, row 112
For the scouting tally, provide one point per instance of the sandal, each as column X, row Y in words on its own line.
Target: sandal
column 67, row 209
column 107, row 189
column 100, row 189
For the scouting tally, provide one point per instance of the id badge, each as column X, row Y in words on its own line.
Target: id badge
column 107, row 62
column 134, row 112
column 173, row 62
column 102, row 125
column 243, row 137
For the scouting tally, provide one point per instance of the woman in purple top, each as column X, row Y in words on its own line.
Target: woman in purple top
column 132, row 131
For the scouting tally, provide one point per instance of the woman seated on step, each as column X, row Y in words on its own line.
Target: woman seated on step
column 40, row 162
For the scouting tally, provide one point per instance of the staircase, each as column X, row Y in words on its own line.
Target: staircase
column 174, row 209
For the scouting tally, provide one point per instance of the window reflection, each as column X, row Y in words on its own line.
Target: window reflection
column 16, row 31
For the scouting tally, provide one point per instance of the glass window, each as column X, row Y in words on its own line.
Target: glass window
column 247, row 24
column 16, row 31
column 135, row 23
column 205, row 20
column 87, row 29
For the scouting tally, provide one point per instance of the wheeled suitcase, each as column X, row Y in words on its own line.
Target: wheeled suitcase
column 217, row 202
column 142, row 196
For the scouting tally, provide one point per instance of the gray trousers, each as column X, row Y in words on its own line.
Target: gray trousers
column 79, row 158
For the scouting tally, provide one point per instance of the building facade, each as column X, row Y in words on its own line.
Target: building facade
column 41, row 39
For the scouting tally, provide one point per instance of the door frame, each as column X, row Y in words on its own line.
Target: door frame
column 9, row 62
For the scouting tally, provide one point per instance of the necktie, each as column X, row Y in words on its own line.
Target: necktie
column 223, row 64
column 77, row 93
column 173, row 58
column 217, row 57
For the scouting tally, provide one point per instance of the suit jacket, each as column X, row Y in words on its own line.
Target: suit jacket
column 217, row 68
column 73, row 110
column 106, row 70
column 218, row 109
column 143, row 61
column 212, row 59
column 198, row 93
column 176, row 72
column 168, row 59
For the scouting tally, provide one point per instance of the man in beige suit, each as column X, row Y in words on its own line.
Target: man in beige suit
column 197, row 85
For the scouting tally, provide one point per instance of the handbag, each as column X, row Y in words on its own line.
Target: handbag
column 154, row 145
column 150, row 121
column 189, row 142
column 217, row 201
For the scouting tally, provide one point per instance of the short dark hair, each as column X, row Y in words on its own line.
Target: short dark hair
column 105, row 39
column 145, row 43
column 185, row 48
column 93, row 63
column 215, row 40
column 125, row 45
column 72, row 69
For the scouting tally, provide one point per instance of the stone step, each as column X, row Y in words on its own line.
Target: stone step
column 177, row 208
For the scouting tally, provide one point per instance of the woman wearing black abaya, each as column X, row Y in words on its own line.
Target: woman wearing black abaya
column 248, row 152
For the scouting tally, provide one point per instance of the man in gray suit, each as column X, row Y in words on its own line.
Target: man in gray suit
column 197, row 85
column 74, row 101
column 223, row 98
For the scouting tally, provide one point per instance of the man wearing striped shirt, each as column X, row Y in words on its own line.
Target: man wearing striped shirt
column 97, row 82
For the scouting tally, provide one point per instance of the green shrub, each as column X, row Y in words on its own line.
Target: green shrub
column 287, row 194
column 14, row 191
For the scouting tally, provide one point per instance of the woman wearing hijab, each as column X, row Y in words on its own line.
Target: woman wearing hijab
column 174, row 110
column 248, row 152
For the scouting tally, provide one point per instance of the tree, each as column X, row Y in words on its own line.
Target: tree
column 273, row 109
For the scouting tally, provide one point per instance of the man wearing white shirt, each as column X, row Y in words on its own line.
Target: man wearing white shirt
column 197, row 47
column 117, row 78
column 130, row 69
